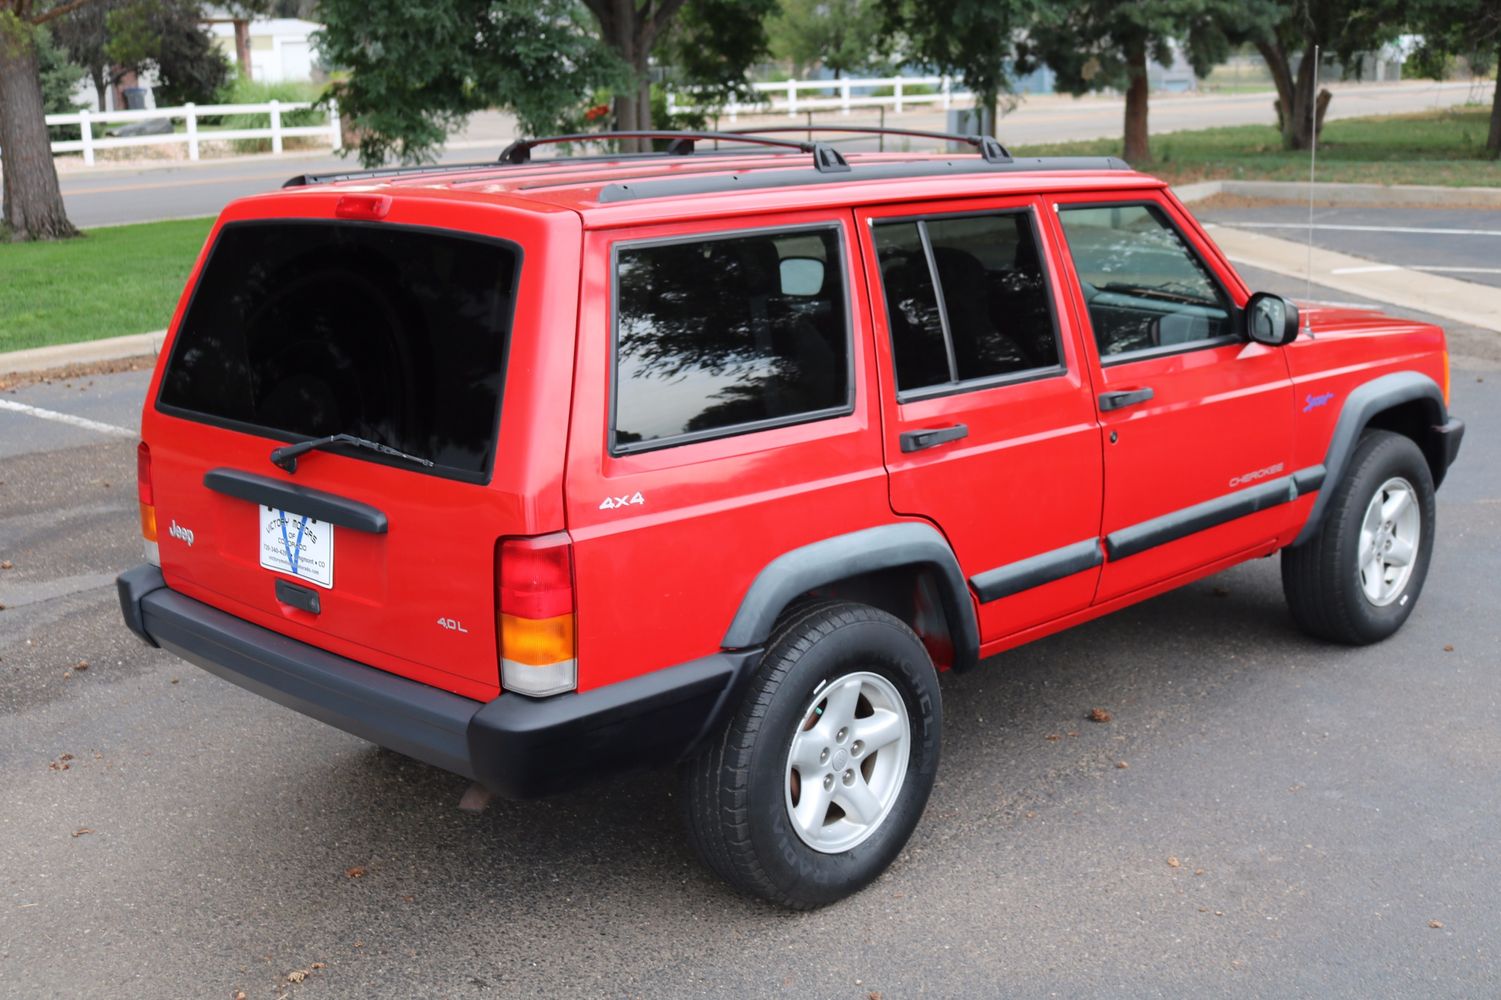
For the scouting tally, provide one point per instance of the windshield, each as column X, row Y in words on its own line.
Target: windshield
column 388, row 333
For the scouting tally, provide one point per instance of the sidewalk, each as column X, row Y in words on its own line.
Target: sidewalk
column 1461, row 301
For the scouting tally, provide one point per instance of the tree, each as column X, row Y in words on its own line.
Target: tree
column 975, row 40
column 1286, row 33
column 839, row 35
column 1470, row 28
column 168, row 36
column 32, row 205
column 1092, row 44
column 84, row 35
column 418, row 71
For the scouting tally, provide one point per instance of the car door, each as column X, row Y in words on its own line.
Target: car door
column 988, row 420
column 1198, row 420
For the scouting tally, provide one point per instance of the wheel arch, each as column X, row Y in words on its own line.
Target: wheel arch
column 1407, row 403
column 862, row 565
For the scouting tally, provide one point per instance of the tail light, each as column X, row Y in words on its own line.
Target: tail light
column 535, row 616
column 1446, row 376
column 148, row 503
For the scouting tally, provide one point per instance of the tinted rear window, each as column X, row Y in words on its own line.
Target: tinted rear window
column 395, row 334
column 722, row 335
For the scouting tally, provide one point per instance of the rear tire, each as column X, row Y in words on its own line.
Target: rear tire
column 820, row 777
column 1359, row 577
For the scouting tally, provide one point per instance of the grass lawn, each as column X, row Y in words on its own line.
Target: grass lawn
column 1436, row 147
column 113, row 281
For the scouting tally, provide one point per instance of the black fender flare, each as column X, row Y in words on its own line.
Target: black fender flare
column 1355, row 415
column 887, row 546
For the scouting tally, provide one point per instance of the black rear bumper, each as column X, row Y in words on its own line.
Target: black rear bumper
column 517, row 746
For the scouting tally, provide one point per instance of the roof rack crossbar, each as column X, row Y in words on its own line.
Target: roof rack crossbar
column 991, row 151
column 826, row 159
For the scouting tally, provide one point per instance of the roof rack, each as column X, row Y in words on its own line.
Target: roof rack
column 302, row 180
column 991, row 151
column 826, row 159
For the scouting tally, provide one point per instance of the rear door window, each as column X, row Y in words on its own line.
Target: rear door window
column 390, row 333
column 723, row 335
column 966, row 300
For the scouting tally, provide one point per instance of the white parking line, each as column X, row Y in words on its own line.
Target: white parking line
column 1366, row 229
column 66, row 418
column 1433, row 268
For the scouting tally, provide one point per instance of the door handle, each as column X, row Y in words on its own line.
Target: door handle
column 918, row 440
column 1118, row 400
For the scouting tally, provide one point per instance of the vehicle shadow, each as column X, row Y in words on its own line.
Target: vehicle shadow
column 581, row 866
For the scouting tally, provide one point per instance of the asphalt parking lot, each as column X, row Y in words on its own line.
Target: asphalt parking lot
column 1457, row 242
column 1292, row 819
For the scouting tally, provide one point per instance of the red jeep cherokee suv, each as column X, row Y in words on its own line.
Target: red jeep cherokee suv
column 535, row 470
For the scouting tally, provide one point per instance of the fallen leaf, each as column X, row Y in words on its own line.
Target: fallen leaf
column 81, row 665
column 1448, row 649
column 1122, row 764
column 318, row 965
column 1052, row 737
column 81, row 831
column 174, row 680
column 296, row 975
column 1198, row 871
column 355, row 872
column 239, row 995
column 1029, row 814
column 1174, row 863
column 1436, row 924
column 872, row 996
column 1099, row 715
column 7, row 564
column 1073, row 732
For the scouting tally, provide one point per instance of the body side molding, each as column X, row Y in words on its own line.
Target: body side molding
column 1178, row 524
column 1045, row 567
column 1363, row 403
column 886, row 546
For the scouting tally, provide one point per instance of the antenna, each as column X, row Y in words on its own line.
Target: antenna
column 1313, row 159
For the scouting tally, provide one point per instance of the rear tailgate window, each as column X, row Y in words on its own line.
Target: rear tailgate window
column 395, row 334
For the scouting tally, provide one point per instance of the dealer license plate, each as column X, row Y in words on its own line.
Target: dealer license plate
column 297, row 545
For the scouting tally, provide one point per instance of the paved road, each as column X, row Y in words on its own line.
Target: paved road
column 1457, row 242
column 106, row 196
column 1326, row 805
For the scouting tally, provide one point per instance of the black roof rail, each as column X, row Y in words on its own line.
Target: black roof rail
column 302, row 180
column 826, row 159
column 658, row 186
column 990, row 148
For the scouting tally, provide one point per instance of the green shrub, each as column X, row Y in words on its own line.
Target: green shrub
column 243, row 91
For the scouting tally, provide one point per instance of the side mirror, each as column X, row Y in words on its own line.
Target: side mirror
column 1271, row 319
column 802, row 276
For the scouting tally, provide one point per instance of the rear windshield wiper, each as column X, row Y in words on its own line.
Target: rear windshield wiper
column 286, row 455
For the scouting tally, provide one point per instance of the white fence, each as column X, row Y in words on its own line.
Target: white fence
column 797, row 96
column 189, row 114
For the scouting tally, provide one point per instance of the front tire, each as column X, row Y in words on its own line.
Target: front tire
column 820, row 777
column 1359, row 577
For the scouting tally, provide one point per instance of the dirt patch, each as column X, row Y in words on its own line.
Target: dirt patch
column 15, row 380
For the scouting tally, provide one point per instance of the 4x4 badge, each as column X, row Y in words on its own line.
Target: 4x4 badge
column 611, row 503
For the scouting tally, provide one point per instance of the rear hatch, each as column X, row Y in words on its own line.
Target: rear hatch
column 301, row 329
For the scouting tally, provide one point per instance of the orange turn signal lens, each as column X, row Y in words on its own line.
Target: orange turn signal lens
column 148, row 522
column 536, row 642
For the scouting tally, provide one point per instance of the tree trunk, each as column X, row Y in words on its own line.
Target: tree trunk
column 1493, row 142
column 33, row 204
column 1137, row 148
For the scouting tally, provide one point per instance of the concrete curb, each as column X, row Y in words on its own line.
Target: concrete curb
column 1464, row 302
column 1390, row 196
column 83, row 353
